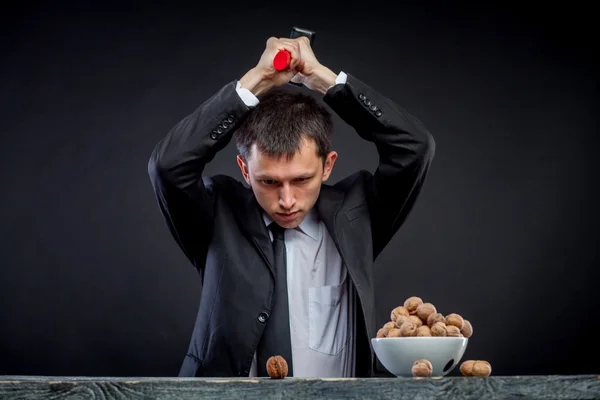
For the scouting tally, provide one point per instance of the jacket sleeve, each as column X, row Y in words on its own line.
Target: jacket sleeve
column 405, row 149
column 186, row 197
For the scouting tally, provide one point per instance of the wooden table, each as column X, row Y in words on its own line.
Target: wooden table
column 494, row 387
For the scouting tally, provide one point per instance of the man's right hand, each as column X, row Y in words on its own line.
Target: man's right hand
column 264, row 76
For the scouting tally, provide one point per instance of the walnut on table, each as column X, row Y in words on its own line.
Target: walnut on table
column 422, row 368
column 277, row 367
column 476, row 368
column 482, row 368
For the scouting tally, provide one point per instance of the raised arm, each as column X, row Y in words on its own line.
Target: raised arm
column 405, row 147
column 176, row 167
column 185, row 196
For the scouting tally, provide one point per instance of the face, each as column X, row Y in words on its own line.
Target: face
column 287, row 189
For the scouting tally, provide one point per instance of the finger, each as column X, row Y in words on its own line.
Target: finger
column 294, row 54
column 288, row 40
column 299, row 66
column 291, row 45
column 295, row 63
column 303, row 40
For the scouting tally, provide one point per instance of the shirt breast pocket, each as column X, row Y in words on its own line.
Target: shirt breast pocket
column 328, row 318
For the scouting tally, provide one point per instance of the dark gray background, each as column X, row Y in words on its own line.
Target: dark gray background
column 504, row 233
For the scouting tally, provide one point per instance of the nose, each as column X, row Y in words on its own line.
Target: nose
column 286, row 197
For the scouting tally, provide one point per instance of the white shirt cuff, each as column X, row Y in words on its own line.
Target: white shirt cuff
column 341, row 78
column 247, row 97
column 251, row 100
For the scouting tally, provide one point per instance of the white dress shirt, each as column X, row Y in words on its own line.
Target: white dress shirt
column 320, row 295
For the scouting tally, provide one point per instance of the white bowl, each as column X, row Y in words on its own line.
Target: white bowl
column 398, row 354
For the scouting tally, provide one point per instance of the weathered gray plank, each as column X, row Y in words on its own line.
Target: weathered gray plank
column 496, row 387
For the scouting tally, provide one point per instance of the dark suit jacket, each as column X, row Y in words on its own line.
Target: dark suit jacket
column 217, row 222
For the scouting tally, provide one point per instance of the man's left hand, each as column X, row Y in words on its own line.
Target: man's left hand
column 311, row 73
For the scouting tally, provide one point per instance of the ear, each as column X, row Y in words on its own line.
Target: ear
column 243, row 168
column 328, row 166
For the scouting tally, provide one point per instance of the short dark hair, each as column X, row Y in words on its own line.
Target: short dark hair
column 279, row 122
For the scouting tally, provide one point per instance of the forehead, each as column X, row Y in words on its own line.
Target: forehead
column 305, row 161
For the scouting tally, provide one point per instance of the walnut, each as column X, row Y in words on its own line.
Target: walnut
column 452, row 330
column 412, row 303
column 466, row 368
column 416, row 320
column 400, row 310
column 476, row 368
column 277, row 367
column 422, row 368
column 467, row 329
column 456, row 320
column 438, row 329
column 383, row 332
column 425, row 310
column 408, row 329
column 423, row 330
column 423, row 317
column 482, row 368
column 395, row 332
column 435, row 317
column 389, row 325
column 402, row 319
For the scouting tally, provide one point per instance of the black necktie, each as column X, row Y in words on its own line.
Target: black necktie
column 276, row 339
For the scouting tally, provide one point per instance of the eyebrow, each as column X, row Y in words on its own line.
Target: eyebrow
column 263, row 177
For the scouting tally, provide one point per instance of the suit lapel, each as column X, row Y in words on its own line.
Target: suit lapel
column 328, row 206
column 334, row 213
column 249, row 216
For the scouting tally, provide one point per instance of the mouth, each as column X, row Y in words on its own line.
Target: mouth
column 287, row 216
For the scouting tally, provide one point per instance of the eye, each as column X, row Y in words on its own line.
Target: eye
column 268, row 181
column 302, row 180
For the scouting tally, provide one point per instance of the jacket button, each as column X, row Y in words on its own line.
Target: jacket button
column 230, row 119
column 378, row 113
column 361, row 96
column 213, row 135
column 263, row 317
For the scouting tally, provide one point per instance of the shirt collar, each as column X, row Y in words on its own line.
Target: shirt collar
column 309, row 225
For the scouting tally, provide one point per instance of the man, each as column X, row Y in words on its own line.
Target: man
column 316, row 275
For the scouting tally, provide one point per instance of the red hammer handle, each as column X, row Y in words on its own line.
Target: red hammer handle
column 282, row 60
